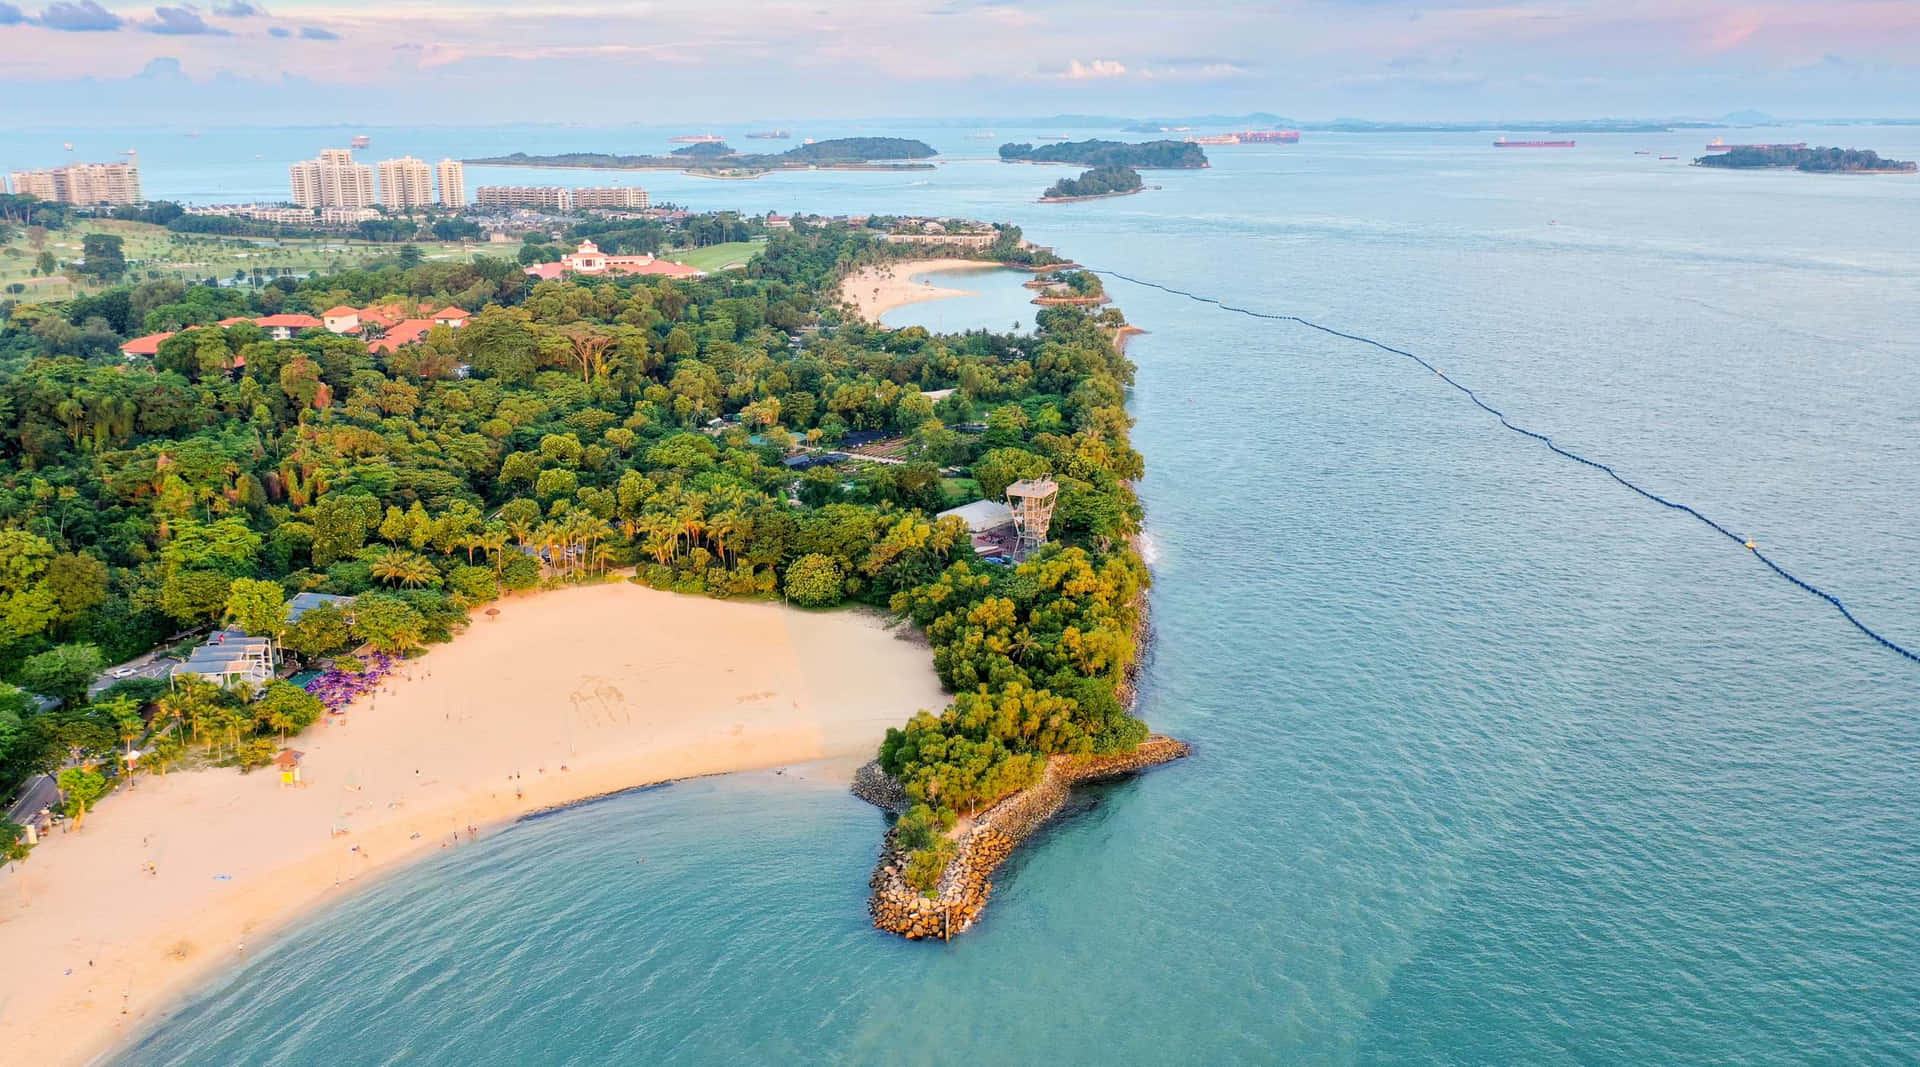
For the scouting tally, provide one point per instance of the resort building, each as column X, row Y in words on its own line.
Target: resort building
column 83, row 183
column 283, row 327
column 588, row 259
column 231, row 657
column 611, row 196
column 333, row 180
column 989, row 522
column 301, row 603
column 148, row 346
column 554, row 198
column 405, row 182
column 453, row 183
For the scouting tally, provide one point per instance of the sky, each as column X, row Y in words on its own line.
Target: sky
column 471, row 62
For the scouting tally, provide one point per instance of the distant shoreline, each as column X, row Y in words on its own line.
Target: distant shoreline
column 1090, row 196
column 700, row 172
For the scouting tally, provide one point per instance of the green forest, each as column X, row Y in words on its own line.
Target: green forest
column 1100, row 181
column 1098, row 153
column 572, row 429
column 1810, row 160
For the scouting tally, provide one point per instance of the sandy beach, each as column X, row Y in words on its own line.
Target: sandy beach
column 878, row 290
column 565, row 695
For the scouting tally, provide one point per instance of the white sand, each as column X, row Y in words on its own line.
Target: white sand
column 619, row 684
column 877, row 290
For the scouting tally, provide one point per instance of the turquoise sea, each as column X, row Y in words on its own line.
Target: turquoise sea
column 1495, row 761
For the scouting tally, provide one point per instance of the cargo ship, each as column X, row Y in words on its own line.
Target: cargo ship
column 1504, row 143
column 1268, row 136
column 695, row 138
column 1718, row 145
column 360, row 141
column 1224, row 138
column 769, row 135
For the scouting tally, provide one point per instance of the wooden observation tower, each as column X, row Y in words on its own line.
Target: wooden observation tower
column 1031, row 501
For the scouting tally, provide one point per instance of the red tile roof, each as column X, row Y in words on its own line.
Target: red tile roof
column 549, row 272
column 451, row 312
column 234, row 321
column 145, row 346
column 338, row 312
column 406, row 333
column 297, row 322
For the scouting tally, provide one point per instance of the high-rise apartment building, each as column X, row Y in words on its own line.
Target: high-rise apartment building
column 83, row 183
column 453, row 183
column 333, row 180
column 405, row 182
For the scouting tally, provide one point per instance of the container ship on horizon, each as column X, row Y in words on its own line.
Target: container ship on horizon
column 1504, row 143
column 695, row 138
column 1268, row 136
column 769, row 135
column 1718, row 145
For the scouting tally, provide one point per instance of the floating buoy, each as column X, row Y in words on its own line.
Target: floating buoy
column 1751, row 546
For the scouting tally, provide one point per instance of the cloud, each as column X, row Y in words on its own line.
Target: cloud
column 315, row 33
column 279, row 31
column 1099, row 68
column 180, row 22
column 239, row 9
column 82, row 17
column 10, row 15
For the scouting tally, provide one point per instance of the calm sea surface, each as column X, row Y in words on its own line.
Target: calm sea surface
column 1496, row 762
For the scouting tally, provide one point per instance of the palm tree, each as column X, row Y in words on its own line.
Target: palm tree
column 407, row 569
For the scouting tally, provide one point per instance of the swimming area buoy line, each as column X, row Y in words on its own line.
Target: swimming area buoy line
column 1675, row 505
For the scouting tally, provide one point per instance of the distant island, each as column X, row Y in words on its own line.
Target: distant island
column 1810, row 160
column 716, row 158
column 1097, row 153
column 1100, row 181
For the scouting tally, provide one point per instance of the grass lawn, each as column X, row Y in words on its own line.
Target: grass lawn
column 155, row 251
column 716, row 257
column 958, row 491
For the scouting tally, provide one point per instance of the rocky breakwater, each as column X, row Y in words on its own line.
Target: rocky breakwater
column 984, row 842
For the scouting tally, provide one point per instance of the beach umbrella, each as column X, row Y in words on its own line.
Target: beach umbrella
column 493, row 613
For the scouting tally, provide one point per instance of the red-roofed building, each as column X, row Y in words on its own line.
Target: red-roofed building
column 147, row 346
column 450, row 316
column 588, row 259
column 406, row 333
column 283, row 327
column 341, row 319
column 381, row 316
column 234, row 321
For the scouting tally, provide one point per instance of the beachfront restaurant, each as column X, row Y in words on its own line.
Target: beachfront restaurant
column 230, row 657
column 990, row 524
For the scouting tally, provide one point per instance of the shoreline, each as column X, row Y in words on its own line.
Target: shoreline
column 1090, row 196
column 569, row 696
column 874, row 291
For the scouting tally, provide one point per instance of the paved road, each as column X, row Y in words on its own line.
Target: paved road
column 150, row 665
column 42, row 792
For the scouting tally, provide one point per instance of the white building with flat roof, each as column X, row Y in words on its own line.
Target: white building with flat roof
column 83, row 183
column 554, row 198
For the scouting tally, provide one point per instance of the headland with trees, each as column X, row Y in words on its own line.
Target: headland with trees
column 1117, row 180
column 571, row 431
column 1807, row 160
column 1164, row 155
column 841, row 153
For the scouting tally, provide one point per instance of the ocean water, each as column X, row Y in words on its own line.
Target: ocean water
column 1495, row 761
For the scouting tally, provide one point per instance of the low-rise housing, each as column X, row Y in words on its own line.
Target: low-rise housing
column 556, row 198
column 231, row 657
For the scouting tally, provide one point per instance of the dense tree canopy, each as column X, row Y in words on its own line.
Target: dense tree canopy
column 569, row 429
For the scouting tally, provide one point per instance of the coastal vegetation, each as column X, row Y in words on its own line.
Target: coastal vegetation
column 1098, row 153
column 1810, row 160
column 1100, row 181
column 717, row 157
column 570, row 429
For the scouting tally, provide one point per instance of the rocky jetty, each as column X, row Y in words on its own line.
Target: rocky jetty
column 985, row 842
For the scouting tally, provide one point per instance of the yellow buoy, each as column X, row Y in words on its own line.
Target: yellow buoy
column 1750, row 545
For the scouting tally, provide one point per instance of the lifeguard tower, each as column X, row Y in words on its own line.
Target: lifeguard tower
column 1031, row 501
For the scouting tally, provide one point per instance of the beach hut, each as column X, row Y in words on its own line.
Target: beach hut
column 288, row 761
